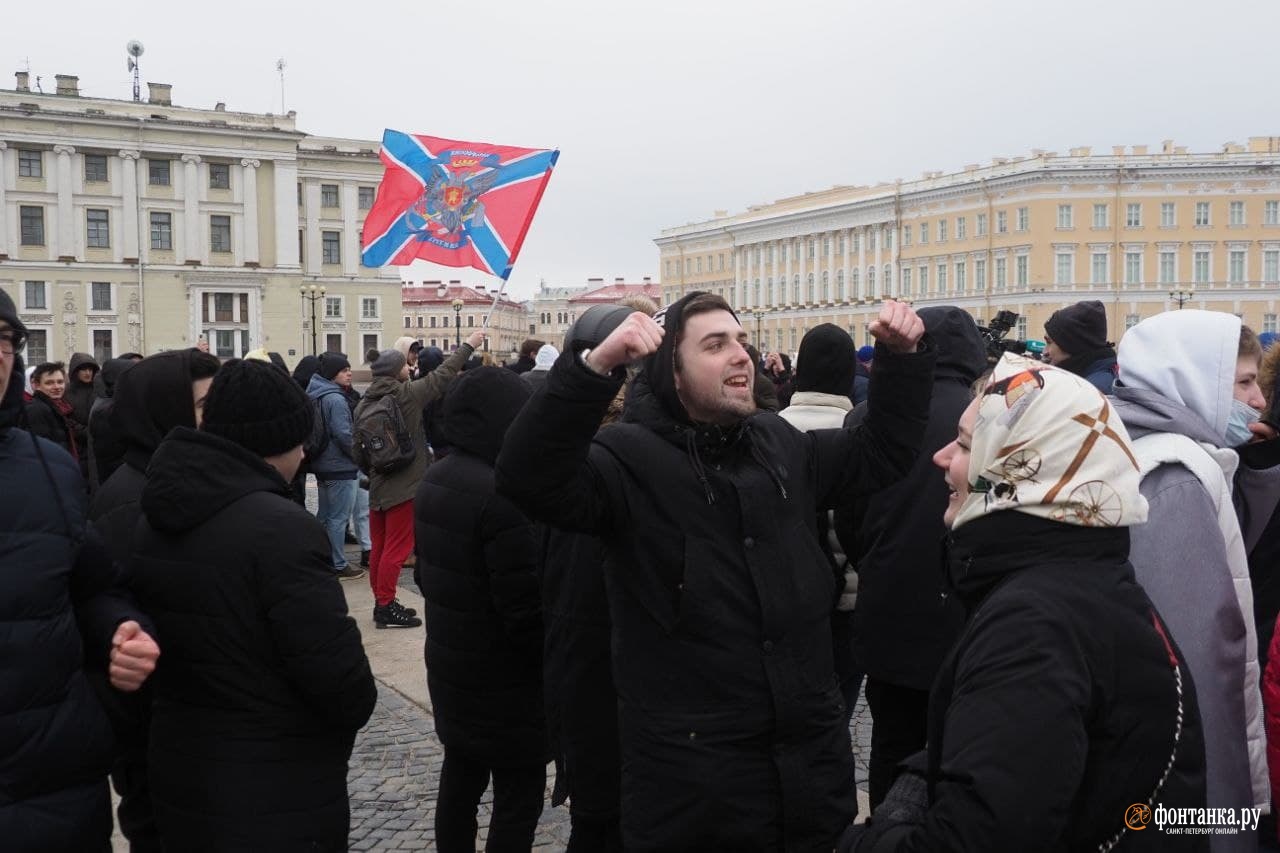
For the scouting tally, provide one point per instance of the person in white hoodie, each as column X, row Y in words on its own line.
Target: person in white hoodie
column 547, row 355
column 1186, row 387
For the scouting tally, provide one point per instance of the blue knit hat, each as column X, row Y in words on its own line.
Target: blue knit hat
column 866, row 354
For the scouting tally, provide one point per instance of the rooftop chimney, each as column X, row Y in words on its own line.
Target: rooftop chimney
column 646, row 280
column 24, row 81
column 160, row 94
column 1140, row 150
column 1117, row 150
column 220, row 107
column 68, row 84
column 1167, row 146
column 619, row 280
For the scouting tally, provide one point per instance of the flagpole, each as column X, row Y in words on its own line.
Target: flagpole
column 494, row 306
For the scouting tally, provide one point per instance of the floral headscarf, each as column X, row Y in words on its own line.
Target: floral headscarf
column 1047, row 443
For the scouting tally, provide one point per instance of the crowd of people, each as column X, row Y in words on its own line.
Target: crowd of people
column 666, row 563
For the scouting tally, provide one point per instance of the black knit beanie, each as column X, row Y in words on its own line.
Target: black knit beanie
column 333, row 363
column 1079, row 328
column 827, row 361
column 256, row 406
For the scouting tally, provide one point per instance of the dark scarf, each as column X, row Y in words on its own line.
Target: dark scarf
column 1080, row 364
column 65, row 409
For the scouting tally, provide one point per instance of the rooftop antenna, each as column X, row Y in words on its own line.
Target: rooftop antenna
column 280, row 66
column 134, row 49
column 39, row 88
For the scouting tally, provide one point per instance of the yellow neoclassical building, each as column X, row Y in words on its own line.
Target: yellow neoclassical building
column 1142, row 230
column 143, row 226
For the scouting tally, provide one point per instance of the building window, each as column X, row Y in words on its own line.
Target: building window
column 1132, row 267
column 854, row 285
column 1168, row 214
column 328, row 195
column 906, row 281
column 840, row 247
column 960, row 282
column 1002, row 222
column 1133, row 216
column 1131, row 320
column 368, row 308
column 1022, row 327
column 962, row 228
column 942, row 230
column 365, row 197
column 1201, row 267
column 887, row 237
column 940, row 280
column 1202, row 214
column 1002, row 274
column 103, row 345
column 981, row 228
column 826, row 248
column 906, row 235
column 721, row 258
column 826, row 288
column 1168, row 267
column 1099, row 215
column 32, row 219
column 219, row 233
column 97, row 229
column 1020, row 276
column 95, row 168
column 333, row 343
column 1271, row 213
column 980, row 276
column 407, row 322
column 158, row 173
column 333, row 307
column 871, row 282
column 100, row 296
column 331, row 247
column 1269, row 323
column 923, row 272
column 162, row 231
column 1064, row 272
column 30, row 163
column 924, row 233
column 370, row 342
column 1098, row 268
column 433, row 321
column 219, row 176
column 1024, row 218
column 37, row 346
column 1065, row 216
column 1235, row 213
column 811, row 245
column 1271, row 266
column 1235, row 266
column 36, row 296
column 809, row 289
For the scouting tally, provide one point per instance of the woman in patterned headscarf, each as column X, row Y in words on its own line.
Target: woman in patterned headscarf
column 1064, row 714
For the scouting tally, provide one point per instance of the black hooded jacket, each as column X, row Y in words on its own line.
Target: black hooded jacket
column 106, row 446
column 733, row 730
column 81, row 394
column 263, row 682
column 478, row 558
column 61, row 599
column 1058, row 706
column 904, row 622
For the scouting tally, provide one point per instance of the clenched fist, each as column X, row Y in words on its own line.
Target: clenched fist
column 476, row 339
column 898, row 327
column 637, row 337
column 133, row 657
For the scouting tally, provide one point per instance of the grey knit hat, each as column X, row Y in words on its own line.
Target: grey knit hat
column 388, row 363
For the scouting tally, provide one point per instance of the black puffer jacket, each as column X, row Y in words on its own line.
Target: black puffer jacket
column 904, row 621
column 733, row 730
column 81, row 394
column 61, row 600
column 106, row 446
column 1058, row 707
column 263, row 681
column 477, row 567
column 44, row 419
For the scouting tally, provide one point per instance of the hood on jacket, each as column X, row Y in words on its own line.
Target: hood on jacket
column 660, row 367
column 105, row 382
column 79, row 360
column 151, row 398
column 305, row 369
column 429, row 358
column 1185, row 362
column 319, row 387
column 479, row 407
column 826, row 362
column 194, row 475
column 547, row 355
column 961, row 352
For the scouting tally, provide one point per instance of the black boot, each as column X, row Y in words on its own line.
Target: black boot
column 394, row 615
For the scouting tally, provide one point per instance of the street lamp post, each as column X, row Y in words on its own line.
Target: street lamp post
column 759, row 315
column 1182, row 296
column 457, row 322
column 312, row 294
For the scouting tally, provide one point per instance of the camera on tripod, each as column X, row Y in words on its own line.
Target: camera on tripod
column 994, row 336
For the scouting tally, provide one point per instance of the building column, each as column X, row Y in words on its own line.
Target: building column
column 250, row 206
column 862, row 260
column 129, row 188
column 311, row 209
column 737, row 268
column 849, row 294
column 831, row 267
column 194, row 246
column 784, row 296
column 66, row 212
column 286, row 213
column 886, row 288
column 803, row 265
column 4, row 224
column 350, row 239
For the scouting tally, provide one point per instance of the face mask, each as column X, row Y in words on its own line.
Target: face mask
column 1242, row 414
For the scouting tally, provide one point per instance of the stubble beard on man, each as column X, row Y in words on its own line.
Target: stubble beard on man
column 723, row 409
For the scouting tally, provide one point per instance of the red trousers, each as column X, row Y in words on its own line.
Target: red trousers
column 391, row 532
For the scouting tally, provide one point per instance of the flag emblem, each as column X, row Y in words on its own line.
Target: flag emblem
column 454, row 203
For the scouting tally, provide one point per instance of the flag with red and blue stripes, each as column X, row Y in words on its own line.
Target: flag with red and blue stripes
column 460, row 204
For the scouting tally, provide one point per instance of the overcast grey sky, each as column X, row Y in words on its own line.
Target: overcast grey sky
column 665, row 111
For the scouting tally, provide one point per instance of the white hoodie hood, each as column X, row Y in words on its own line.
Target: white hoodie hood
column 547, row 356
column 1187, row 357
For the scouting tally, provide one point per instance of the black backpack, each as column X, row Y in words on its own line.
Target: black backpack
column 318, row 441
column 381, row 441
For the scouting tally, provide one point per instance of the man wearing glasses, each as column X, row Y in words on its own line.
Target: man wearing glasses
column 67, row 628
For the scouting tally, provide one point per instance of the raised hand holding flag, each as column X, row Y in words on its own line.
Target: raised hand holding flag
column 459, row 204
